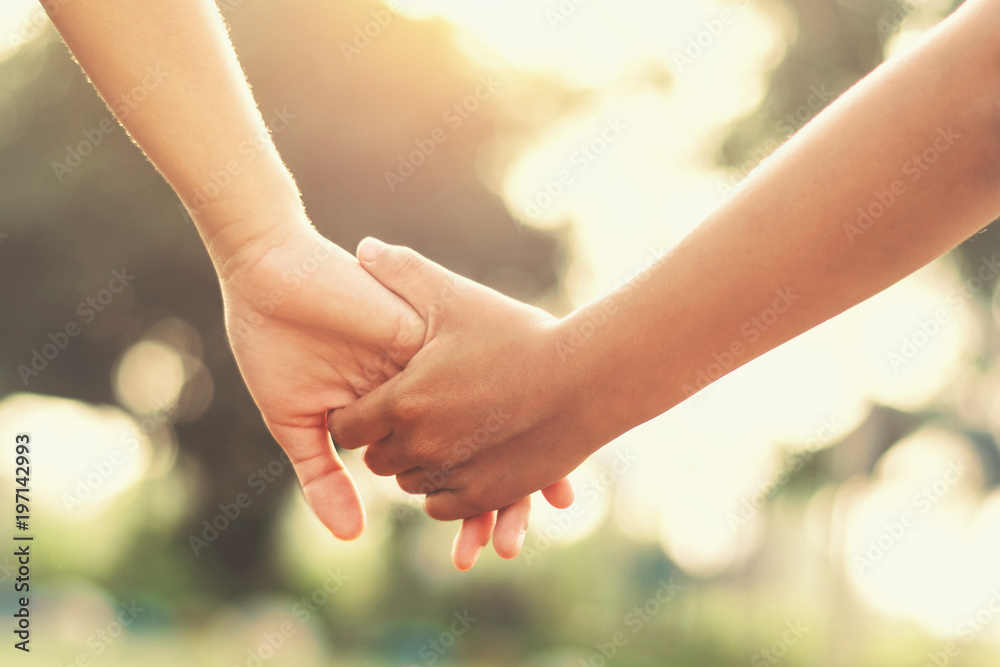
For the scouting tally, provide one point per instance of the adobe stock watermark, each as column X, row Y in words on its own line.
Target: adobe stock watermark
column 562, row 12
column 298, row 273
column 105, row 468
column 580, row 160
column 271, row 642
column 366, row 34
column 712, row 30
column 968, row 630
column 433, row 649
column 104, row 637
column 590, row 493
column 928, row 329
column 218, row 180
column 913, row 169
column 229, row 512
column 749, row 507
column 463, row 450
column 784, row 127
column 921, row 503
column 597, row 315
column 894, row 17
column 454, row 117
column 33, row 24
column 751, row 330
column 632, row 624
column 391, row 353
column 86, row 311
column 312, row 603
column 122, row 107
column 772, row 655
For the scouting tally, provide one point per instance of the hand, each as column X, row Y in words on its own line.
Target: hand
column 311, row 331
column 483, row 414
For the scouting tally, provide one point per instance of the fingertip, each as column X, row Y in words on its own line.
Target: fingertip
column 346, row 525
column 456, row 556
column 369, row 250
column 465, row 562
column 512, row 526
column 473, row 536
column 337, row 504
column 351, row 529
column 560, row 495
column 509, row 551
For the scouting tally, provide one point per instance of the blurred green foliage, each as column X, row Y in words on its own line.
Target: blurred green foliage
column 351, row 121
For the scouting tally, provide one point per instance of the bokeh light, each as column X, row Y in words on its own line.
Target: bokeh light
column 848, row 478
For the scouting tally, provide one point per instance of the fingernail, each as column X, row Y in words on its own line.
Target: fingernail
column 369, row 249
column 475, row 557
column 520, row 539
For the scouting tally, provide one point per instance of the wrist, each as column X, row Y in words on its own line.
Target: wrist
column 588, row 394
column 239, row 233
column 604, row 354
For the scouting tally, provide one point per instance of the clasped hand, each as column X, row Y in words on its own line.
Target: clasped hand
column 459, row 386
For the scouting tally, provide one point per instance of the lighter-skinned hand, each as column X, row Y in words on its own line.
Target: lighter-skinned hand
column 312, row 331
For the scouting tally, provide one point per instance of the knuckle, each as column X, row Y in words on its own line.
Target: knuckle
column 476, row 501
column 409, row 262
column 409, row 409
column 426, row 484
column 423, row 453
column 405, row 483
column 377, row 462
column 437, row 510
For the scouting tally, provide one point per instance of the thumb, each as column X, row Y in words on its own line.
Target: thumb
column 418, row 280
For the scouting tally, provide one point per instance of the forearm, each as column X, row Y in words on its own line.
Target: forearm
column 899, row 170
column 194, row 115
